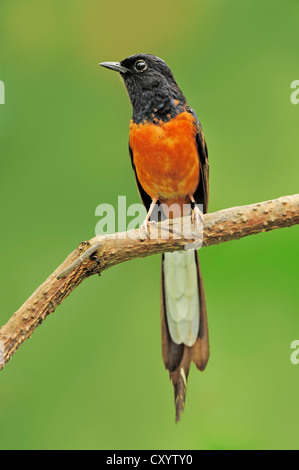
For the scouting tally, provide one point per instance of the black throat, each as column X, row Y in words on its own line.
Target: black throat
column 159, row 102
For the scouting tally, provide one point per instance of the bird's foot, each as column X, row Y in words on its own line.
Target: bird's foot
column 145, row 229
column 197, row 218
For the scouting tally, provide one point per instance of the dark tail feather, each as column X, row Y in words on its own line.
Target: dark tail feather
column 179, row 380
column 177, row 357
column 200, row 350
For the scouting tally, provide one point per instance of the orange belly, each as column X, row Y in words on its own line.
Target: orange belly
column 165, row 157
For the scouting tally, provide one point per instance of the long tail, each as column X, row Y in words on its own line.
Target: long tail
column 184, row 322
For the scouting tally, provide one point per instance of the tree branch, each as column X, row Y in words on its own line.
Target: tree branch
column 100, row 253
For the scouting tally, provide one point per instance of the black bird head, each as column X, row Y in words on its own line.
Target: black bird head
column 151, row 86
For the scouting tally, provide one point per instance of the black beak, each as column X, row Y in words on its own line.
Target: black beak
column 114, row 66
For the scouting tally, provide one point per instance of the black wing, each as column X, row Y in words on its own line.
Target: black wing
column 201, row 194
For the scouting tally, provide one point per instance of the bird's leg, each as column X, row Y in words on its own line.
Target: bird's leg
column 197, row 215
column 148, row 215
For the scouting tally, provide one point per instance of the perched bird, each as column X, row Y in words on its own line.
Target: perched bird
column 170, row 159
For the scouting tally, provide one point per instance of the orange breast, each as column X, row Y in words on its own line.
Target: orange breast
column 165, row 156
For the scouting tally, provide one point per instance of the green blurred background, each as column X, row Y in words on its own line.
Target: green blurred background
column 92, row 375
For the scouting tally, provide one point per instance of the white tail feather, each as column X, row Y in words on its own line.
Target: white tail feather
column 181, row 296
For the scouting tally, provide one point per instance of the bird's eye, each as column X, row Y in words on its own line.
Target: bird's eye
column 140, row 66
